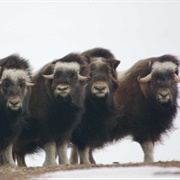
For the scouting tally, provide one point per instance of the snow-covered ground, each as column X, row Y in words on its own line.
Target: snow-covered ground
column 147, row 172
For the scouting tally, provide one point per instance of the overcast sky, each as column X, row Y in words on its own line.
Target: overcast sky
column 44, row 31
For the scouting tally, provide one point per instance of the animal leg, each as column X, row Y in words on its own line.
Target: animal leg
column 91, row 158
column 8, row 156
column 84, row 156
column 50, row 154
column 148, row 149
column 62, row 152
column 21, row 160
column 1, row 159
column 74, row 156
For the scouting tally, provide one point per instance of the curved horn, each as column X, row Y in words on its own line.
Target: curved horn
column 30, row 84
column 145, row 79
column 50, row 76
column 83, row 78
column 176, row 78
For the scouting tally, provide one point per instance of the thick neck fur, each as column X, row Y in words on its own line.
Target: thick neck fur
column 99, row 105
column 134, row 110
column 48, row 103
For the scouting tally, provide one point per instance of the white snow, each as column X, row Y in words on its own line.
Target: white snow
column 147, row 172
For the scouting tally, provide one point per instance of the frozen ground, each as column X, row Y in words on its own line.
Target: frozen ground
column 156, row 170
column 118, row 173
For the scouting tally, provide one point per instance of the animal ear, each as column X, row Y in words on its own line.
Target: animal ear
column 115, row 63
column 85, row 59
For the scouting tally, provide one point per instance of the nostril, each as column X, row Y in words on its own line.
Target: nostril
column 14, row 103
column 62, row 88
column 164, row 94
column 59, row 89
column 99, row 88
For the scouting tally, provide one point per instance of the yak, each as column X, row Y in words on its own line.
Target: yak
column 94, row 128
column 15, row 90
column 146, row 102
column 56, row 105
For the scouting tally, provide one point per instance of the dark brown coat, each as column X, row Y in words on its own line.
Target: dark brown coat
column 53, row 114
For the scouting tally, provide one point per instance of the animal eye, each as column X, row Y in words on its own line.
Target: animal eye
column 22, row 85
column 4, row 85
column 91, row 74
column 55, row 76
column 173, row 75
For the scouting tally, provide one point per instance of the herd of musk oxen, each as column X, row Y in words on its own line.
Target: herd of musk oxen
column 79, row 101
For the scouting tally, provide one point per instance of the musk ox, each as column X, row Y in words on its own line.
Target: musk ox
column 146, row 102
column 15, row 82
column 56, row 105
column 94, row 128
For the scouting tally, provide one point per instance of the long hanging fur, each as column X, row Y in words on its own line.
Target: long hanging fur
column 138, row 115
column 12, row 122
column 52, row 119
column 93, row 130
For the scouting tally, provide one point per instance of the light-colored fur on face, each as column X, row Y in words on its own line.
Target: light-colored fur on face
column 15, row 75
column 163, row 67
column 14, row 103
column 67, row 65
column 100, row 89
column 164, row 95
column 62, row 90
